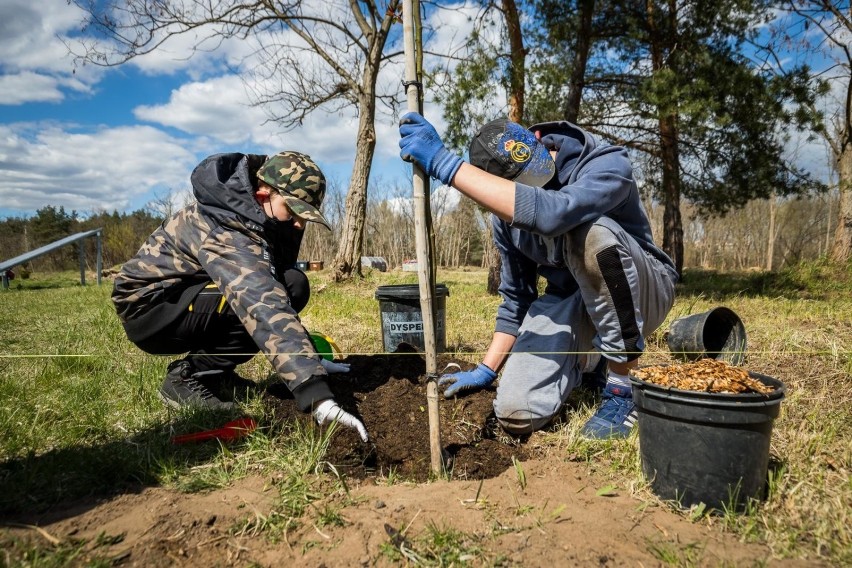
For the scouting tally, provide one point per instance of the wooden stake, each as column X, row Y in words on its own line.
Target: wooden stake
column 422, row 229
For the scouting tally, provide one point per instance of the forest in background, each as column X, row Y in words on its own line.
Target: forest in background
column 784, row 230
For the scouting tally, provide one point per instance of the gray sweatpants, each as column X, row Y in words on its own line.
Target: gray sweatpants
column 624, row 294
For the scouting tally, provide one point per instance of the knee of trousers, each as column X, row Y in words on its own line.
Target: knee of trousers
column 519, row 421
column 586, row 241
column 601, row 235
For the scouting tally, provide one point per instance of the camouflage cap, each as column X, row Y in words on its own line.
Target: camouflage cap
column 299, row 180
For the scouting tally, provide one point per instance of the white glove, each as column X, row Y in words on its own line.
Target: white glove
column 332, row 367
column 328, row 411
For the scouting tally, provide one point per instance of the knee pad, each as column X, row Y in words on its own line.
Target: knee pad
column 298, row 288
column 520, row 422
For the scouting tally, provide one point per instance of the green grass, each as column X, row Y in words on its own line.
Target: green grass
column 30, row 554
column 80, row 415
column 437, row 546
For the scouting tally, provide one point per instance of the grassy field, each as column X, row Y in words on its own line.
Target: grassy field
column 76, row 395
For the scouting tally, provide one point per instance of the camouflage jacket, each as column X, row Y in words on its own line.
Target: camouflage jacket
column 224, row 237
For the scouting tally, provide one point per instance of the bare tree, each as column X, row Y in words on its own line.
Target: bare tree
column 831, row 20
column 311, row 55
column 318, row 244
column 390, row 225
column 772, row 232
column 738, row 240
column 165, row 204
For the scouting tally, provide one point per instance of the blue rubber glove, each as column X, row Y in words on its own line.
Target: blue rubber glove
column 419, row 143
column 475, row 379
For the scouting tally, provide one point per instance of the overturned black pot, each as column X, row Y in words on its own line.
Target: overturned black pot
column 718, row 334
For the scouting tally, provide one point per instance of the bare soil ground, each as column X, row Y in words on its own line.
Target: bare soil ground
column 388, row 392
column 565, row 512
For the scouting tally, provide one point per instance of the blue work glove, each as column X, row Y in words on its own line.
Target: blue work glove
column 475, row 379
column 419, row 143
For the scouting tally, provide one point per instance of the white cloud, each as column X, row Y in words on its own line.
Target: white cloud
column 217, row 107
column 91, row 165
column 32, row 87
column 105, row 169
column 193, row 54
column 29, row 29
column 35, row 64
column 28, row 87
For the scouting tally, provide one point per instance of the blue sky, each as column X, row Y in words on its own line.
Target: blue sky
column 91, row 139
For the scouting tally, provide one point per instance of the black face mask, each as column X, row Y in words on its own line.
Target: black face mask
column 277, row 227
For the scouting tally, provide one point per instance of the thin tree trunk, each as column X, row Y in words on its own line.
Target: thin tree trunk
column 672, row 222
column 842, row 249
column 518, row 57
column 517, row 80
column 669, row 151
column 770, row 247
column 581, row 56
column 348, row 260
column 828, row 224
column 491, row 257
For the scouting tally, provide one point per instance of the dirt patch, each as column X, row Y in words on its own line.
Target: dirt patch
column 388, row 393
column 563, row 510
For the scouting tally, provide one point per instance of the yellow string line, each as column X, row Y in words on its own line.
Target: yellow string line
column 347, row 353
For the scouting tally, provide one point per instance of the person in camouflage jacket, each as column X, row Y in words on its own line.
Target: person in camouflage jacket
column 218, row 280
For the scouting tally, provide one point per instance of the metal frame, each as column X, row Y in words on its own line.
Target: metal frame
column 33, row 254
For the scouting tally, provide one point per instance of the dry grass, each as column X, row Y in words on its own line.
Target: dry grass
column 799, row 329
column 801, row 335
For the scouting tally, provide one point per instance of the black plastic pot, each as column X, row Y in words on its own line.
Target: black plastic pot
column 711, row 448
column 718, row 334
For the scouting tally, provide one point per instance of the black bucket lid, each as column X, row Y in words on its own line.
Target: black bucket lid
column 407, row 292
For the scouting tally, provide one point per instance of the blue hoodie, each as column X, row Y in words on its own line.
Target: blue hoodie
column 593, row 179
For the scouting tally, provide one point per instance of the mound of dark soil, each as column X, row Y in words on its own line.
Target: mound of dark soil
column 388, row 393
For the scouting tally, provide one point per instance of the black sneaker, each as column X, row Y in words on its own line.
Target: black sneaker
column 226, row 385
column 182, row 388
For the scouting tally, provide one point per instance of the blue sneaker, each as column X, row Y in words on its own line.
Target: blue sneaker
column 615, row 416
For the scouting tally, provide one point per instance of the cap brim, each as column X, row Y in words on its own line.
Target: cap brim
column 305, row 211
column 540, row 169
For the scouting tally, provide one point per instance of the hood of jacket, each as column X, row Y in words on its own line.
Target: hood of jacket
column 572, row 145
column 225, row 184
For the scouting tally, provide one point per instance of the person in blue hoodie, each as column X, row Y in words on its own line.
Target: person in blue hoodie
column 566, row 208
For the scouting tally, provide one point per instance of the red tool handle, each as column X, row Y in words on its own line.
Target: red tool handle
column 230, row 431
